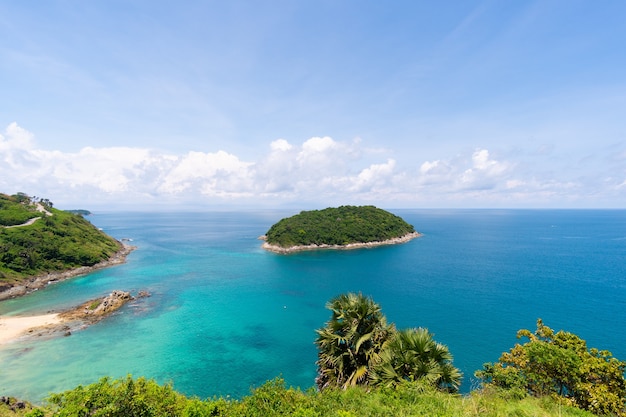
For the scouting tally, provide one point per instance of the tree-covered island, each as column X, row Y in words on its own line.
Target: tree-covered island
column 342, row 227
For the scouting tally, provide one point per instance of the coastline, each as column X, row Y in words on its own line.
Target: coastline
column 14, row 328
column 41, row 281
column 301, row 248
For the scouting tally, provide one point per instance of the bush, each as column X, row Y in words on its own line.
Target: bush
column 559, row 364
column 119, row 398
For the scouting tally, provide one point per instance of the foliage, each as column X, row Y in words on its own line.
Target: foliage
column 56, row 242
column 338, row 226
column 413, row 354
column 351, row 342
column 559, row 364
column 358, row 347
column 16, row 209
column 119, row 398
column 128, row 397
column 11, row 406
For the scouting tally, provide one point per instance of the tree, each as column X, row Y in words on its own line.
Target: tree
column 560, row 364
column 358, row 347
column 351, row 342
column 413, row 354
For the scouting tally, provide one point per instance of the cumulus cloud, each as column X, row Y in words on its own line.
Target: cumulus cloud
column 15, row 145
column 374, row 176
column 218, row 173
column 16, row 138
column 319, row 169
column 280, row 145
column 111, row 170
column 478, row 171
column 435, row 172
column 485, row 172
column 320, row 154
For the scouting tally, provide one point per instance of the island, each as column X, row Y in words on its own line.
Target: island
column 40, row 244
column 344, row 227
column 82, row 212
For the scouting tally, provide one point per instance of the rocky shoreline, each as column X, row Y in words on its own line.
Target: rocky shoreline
column 40, row 281
column 65, row 322
column 300, row 248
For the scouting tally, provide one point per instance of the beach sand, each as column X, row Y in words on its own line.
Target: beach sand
column 12, row 328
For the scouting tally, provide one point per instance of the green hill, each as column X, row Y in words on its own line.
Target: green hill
column 338, row 226
column 36, row 238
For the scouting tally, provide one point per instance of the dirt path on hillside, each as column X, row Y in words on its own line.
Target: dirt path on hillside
column 40, row 208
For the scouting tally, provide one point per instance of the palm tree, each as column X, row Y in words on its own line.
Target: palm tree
column 413, row 355
column 351, row 342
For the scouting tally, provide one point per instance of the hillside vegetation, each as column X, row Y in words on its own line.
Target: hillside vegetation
column 130, row 397
column 338, row 226
column 55, row 241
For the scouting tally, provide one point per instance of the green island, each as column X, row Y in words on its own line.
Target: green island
column 40, row 244
column 343, row 227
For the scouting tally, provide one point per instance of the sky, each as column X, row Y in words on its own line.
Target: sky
column 123, row 104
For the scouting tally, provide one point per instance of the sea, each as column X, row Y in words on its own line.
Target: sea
column 224, row 315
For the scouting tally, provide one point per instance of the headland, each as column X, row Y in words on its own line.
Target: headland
column 37, row 282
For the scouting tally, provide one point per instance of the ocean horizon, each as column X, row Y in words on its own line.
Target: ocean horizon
column 225, row 316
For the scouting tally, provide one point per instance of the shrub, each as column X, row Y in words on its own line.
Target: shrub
column 559, row 364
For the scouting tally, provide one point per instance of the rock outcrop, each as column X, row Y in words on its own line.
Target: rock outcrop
column 86, row 314
column 95, row 310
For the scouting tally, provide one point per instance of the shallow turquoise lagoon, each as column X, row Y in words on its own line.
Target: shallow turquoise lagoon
column 225, row 315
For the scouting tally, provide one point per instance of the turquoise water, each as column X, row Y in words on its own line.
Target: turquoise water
column 225, row 315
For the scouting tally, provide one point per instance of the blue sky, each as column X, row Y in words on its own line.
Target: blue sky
column 314, row 103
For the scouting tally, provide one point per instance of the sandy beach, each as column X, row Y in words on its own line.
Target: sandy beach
column 65, row 322
column 16, row 327
column 12, row 328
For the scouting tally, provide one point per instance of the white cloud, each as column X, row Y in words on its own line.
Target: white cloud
column 376, row 175
column 435, row 172
column 14, row 146
column 211, row 173
column 16, row 138
column 484, row 172
column 109, row 169
column 429, row 166
column 317, row 154
column 317, row 145
column 280, row 145
column 320, row 169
